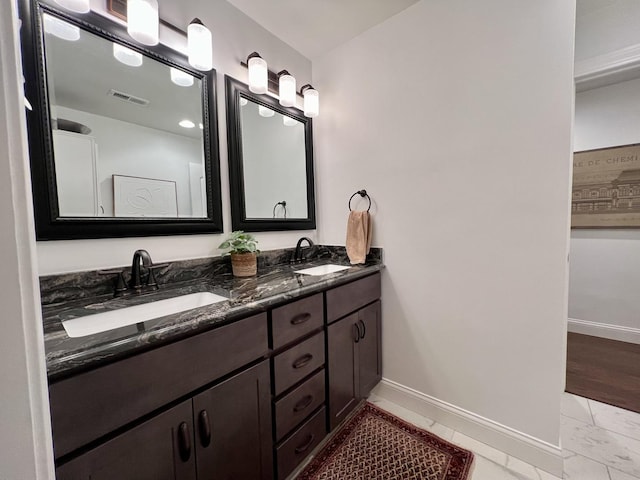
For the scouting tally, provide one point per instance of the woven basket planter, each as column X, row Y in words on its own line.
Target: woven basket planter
column 244, row 264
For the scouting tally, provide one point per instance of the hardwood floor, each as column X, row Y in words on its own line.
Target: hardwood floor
column 604, row 370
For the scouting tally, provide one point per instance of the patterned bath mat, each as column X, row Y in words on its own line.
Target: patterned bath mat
column 375, row 445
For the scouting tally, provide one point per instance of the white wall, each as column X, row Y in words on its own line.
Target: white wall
column 128, row 149
column 234, row 37
column 456, row 118
column 274, row 162
column 26, row 451
column 605, row 264
column 605, row 26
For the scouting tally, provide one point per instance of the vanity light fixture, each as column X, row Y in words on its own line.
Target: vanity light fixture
column 288, row 121
column 186, row 124
column 78, row 6
column 199, row 45
column 258, row 73
column 180, row 78
column 287, row 89
column 60, row 28
column 126, row 55
column 311, row 101
column 143, row 22
column 265, row 112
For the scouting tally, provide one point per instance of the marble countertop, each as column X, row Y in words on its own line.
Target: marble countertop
column 274, row 285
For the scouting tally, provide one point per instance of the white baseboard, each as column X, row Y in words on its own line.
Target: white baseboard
column 532, row 450
column 604, row 330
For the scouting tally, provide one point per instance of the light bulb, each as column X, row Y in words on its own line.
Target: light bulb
column 311, row 101
column 126, row 55
column 258, row 74
column 186, row 124
column 78, row 6
column 199, row 46
column 288, row 121
column 143, row 22
column 265, row 112
column 287, row 89
column 60, row 28
column 243, row 101
column 180, row 78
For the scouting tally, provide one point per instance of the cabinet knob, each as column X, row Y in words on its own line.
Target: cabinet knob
column 305, row 446
column 300, row 318
column 184, row 442
column 302, row 404
column 302, row 361
column 204, row 428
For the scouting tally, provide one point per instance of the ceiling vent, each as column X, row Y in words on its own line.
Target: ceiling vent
column 125, row 97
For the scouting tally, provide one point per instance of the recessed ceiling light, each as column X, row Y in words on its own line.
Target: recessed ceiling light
column 186, row 124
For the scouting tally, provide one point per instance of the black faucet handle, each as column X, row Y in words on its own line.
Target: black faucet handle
column 151, row 280
column 121, row 284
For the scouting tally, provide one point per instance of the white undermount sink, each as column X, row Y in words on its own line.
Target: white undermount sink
column 102, row 322
column 322, row 269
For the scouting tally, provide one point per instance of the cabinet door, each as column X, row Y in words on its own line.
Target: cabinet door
column 369, row 349
column 233, row 428
column 159, row 449
column 342, row 354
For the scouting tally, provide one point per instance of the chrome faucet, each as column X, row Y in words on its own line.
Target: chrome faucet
column 297, row 253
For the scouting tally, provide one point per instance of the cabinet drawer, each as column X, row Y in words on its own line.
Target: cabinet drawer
column 297, row 405
column 350, row 297
column 301, row 443
column 89, row 405
column 294, row 364
column 296, row 319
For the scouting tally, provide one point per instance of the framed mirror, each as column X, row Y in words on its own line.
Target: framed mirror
column 270, row 163
column 123, row 138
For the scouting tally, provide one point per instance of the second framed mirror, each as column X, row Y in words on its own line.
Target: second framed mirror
column 270, row 163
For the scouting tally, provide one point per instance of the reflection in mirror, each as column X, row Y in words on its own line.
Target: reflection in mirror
column 122, row 138
column 127, row 133
column 272, row 147
column 270, row 163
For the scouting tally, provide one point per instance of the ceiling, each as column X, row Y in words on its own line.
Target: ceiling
column 314, row 27
column 82, row 73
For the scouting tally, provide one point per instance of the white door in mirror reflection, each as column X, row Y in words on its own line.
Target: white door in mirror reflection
column 144, row 197
column 76, row 158
column 274, row 164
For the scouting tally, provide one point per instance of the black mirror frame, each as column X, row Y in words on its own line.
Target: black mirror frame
column 234, row 90
column 49, row 225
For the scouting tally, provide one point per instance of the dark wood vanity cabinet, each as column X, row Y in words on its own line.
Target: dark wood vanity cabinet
column 222, row 433
column 248, row 400
column 354, row 352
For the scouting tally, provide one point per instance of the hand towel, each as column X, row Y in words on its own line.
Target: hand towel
column 359, row 231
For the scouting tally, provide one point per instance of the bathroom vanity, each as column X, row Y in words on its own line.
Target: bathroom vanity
column 245, row 388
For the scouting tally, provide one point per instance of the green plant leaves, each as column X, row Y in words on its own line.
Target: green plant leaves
column 240, row 242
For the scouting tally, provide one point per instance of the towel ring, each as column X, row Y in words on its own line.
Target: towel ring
column 363, row 193
column 284, row 207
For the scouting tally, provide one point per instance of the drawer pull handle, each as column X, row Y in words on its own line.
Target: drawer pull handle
column 184, row 442
column 356, row 333
column 302, row 404
column 364, row 329
column 204, row 428
column 301, row 318
column 302, row 361
column 304, row 447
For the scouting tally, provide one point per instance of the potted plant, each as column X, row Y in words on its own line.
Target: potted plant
column 243, row 248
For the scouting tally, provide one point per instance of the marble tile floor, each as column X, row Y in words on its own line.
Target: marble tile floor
column 600, row 442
